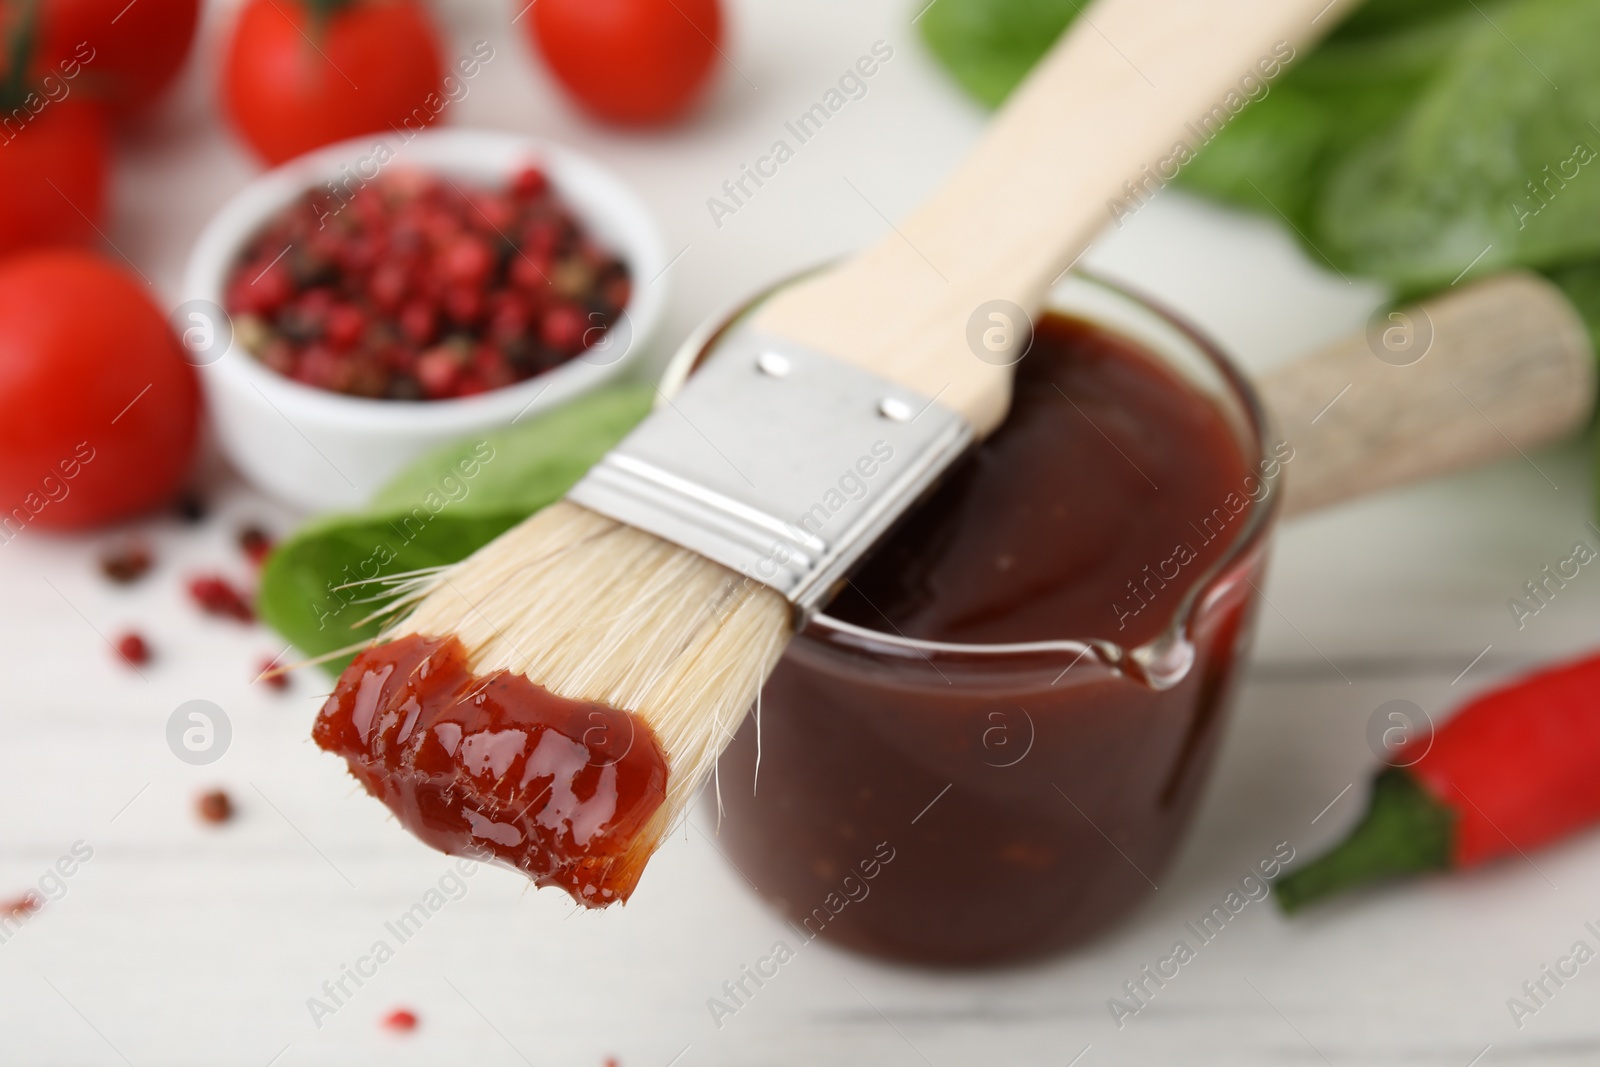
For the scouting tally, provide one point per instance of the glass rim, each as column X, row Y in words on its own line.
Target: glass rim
column 1162, row 661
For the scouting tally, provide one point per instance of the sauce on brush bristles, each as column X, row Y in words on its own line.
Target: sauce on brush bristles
column 598, row 617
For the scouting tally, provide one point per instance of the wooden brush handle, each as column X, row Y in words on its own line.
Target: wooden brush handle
column 1100, row 120
column 1502, row 366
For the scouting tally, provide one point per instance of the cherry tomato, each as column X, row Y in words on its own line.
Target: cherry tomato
column 298, row 76
column 53, row 175
column 635, row 62
column 98, row 409
column 128, row 53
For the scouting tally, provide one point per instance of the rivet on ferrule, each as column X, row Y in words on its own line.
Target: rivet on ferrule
column 786, row 481
column 894, row 409
column 773, row 365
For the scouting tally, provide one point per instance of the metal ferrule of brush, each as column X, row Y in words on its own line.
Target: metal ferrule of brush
column 778, row 462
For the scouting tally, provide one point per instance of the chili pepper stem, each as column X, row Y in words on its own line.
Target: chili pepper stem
column 1405, row 831
column 19, row 49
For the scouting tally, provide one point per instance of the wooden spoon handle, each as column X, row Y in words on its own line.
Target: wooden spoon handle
column 1131, row 90
column 1492, row 369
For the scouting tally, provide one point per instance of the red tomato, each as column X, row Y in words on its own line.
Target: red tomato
column 98, row 410
column 298, row 76
column 53, row 166
column 636, row 62
column 128, row 52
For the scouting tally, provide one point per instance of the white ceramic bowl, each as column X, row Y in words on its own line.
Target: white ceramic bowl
column 321, row 450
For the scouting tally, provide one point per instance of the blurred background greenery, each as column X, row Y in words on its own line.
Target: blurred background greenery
column 1421, row 138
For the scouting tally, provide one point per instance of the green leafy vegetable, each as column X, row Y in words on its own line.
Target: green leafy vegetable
column 438, row 511
column 989, row 45
column 1582, row 286
column 1422, row 142
column 1489, row 159
column 1423, row 137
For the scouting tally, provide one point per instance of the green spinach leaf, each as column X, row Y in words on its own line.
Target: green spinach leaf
column 437, row 511
column 1494, row 157
column 990, row 45
column 1421, row 137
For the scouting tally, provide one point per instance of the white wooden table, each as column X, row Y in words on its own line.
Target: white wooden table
column 181, row 944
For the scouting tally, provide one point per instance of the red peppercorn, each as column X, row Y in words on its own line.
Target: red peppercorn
column 466, row 260
column 464, row 304
column 345, row 326
column 278, row 681
column 353, row 304
column 419, row 322
column 562, row 328
column 388, row 286
column 530, row 182
column 19, row 907
column 438, row 370
column 322, row 248
column 542, row 236
column 324, row 368
column 509, row 319
column 214, row 806
column 489, row 366
column 531, row 270
column 359, row 254
column 401, row 1019
column 133, row 650
column 255, row 543
column 312, row 307
column 280, row 355
column 216, row 596
column 262, row 286
column 126, row 563
column 491, row 213
column 616, row 291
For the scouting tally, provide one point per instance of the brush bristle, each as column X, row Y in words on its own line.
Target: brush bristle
column 594, row 610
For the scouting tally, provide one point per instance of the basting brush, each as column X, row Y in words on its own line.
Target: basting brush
column 559, row 696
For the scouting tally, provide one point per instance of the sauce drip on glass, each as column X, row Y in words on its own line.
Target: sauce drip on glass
column 493, row 765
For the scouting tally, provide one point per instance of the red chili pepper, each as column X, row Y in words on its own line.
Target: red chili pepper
column 1512, row 770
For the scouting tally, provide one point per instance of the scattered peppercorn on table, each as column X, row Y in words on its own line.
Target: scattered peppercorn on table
column 303, row 928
